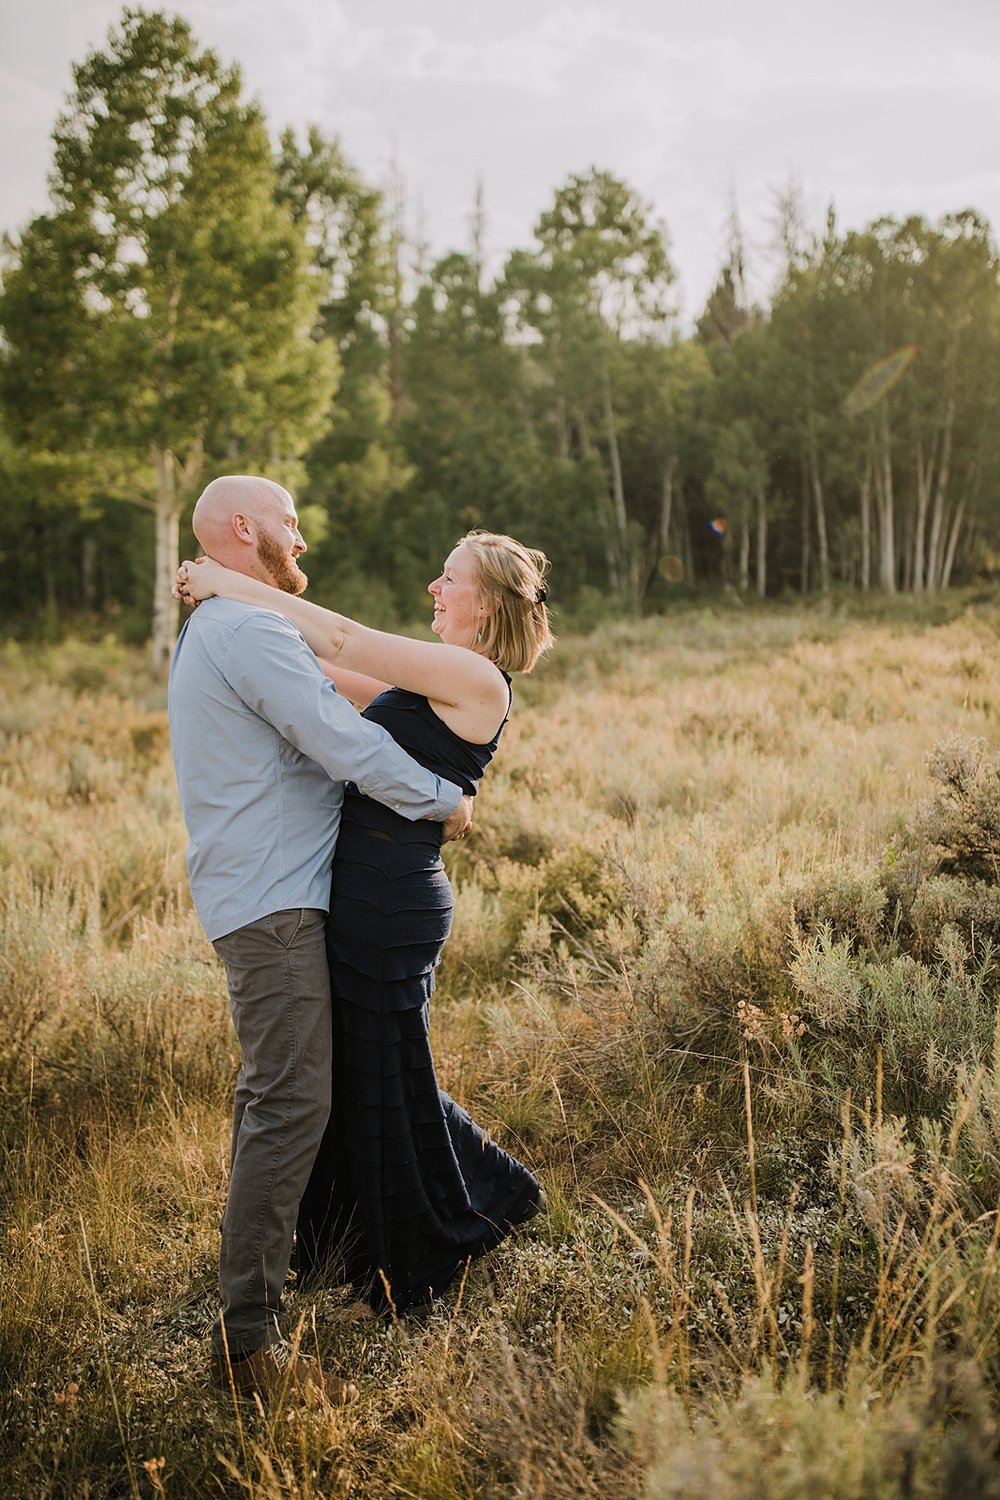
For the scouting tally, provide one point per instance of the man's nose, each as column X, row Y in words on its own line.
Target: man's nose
column 435, row 587
column 299, row 546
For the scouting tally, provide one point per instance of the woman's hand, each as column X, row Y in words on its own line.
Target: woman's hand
column 197, row 580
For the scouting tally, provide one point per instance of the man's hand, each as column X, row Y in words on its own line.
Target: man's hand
column 458, row 824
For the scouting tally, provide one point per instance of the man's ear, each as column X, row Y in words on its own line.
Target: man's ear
column 242, row 526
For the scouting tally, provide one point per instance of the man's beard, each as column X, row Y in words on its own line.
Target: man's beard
column 280, row 567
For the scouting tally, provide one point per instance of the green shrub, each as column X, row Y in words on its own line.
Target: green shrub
column 962, row 821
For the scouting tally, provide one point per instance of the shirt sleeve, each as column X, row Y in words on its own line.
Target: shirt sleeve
column 277, row 676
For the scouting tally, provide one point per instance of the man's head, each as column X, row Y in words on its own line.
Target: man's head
column 249, row 524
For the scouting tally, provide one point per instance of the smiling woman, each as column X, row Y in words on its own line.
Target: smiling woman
column 498, row 586
column 459, row 607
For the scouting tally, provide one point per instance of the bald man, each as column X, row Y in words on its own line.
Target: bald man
column 262, row 747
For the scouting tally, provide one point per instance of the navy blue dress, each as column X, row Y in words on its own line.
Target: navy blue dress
column 406, row 1187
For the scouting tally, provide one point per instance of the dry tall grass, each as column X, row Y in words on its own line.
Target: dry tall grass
column 723, row 973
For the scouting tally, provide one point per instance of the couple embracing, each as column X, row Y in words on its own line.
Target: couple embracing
column 342, row 1140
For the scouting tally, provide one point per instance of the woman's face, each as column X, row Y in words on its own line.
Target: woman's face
column 458, row 611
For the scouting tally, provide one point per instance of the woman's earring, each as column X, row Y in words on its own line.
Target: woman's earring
column 479, row 636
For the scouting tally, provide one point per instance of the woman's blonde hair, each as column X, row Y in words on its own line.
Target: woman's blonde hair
column 511, row 579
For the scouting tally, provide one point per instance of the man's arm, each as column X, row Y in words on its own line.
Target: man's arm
column 272, row 669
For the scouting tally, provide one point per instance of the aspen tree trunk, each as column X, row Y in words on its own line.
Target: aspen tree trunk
column 167, row 557
column 627, row 566
column 608, row 523
column 667, row 502
column 866, row 531
column 935, row 561
column 166, row 507
column 172, row 482
column 761, row 544
column 686, row 548
column 904, row 553
column 949, row 556
column 805, row 531
column 822, row 543
column 395, row 318
column 744, row 554
column 819, row 501
column 886, row 513
column 657, row 543
column 925, row 472
column 815, row 478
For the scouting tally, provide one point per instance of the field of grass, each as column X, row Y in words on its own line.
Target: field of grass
column 723, row 973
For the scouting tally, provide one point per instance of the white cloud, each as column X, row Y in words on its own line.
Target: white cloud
column 25, row 105
column 950, row 69
column 534, row 60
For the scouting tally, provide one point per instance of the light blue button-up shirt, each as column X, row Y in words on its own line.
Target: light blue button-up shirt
column 263, row 744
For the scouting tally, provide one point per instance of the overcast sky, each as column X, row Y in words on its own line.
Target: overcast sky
column 883, row 106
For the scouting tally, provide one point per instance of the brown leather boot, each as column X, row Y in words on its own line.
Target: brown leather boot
column 275, row 1371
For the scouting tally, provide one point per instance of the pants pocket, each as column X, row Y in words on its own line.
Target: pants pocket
column 285, row 926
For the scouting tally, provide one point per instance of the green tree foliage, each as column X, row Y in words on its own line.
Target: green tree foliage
column 466, row 423
column 902, row 316
column 736, row 487
column 53, row 460
column 167, row 300
column 356, row 469
column 596, row 285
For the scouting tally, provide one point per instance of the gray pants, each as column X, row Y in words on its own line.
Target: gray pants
column 279, row 999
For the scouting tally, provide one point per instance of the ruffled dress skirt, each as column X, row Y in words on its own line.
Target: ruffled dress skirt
column 406, row 1187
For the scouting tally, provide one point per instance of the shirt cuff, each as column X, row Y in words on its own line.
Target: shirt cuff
column 448, row 799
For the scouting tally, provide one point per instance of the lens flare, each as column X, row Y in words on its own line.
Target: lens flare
column 672, row 568
column 879, row 380
column 719, row 525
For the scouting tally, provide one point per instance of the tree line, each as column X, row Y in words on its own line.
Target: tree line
column 196, row 300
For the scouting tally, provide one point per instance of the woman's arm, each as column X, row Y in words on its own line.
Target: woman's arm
column 354, row 685
column 467, row 691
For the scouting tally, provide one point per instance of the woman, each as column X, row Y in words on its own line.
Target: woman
column 406, row 1187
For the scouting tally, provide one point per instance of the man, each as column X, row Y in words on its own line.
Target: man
column 262, row 745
